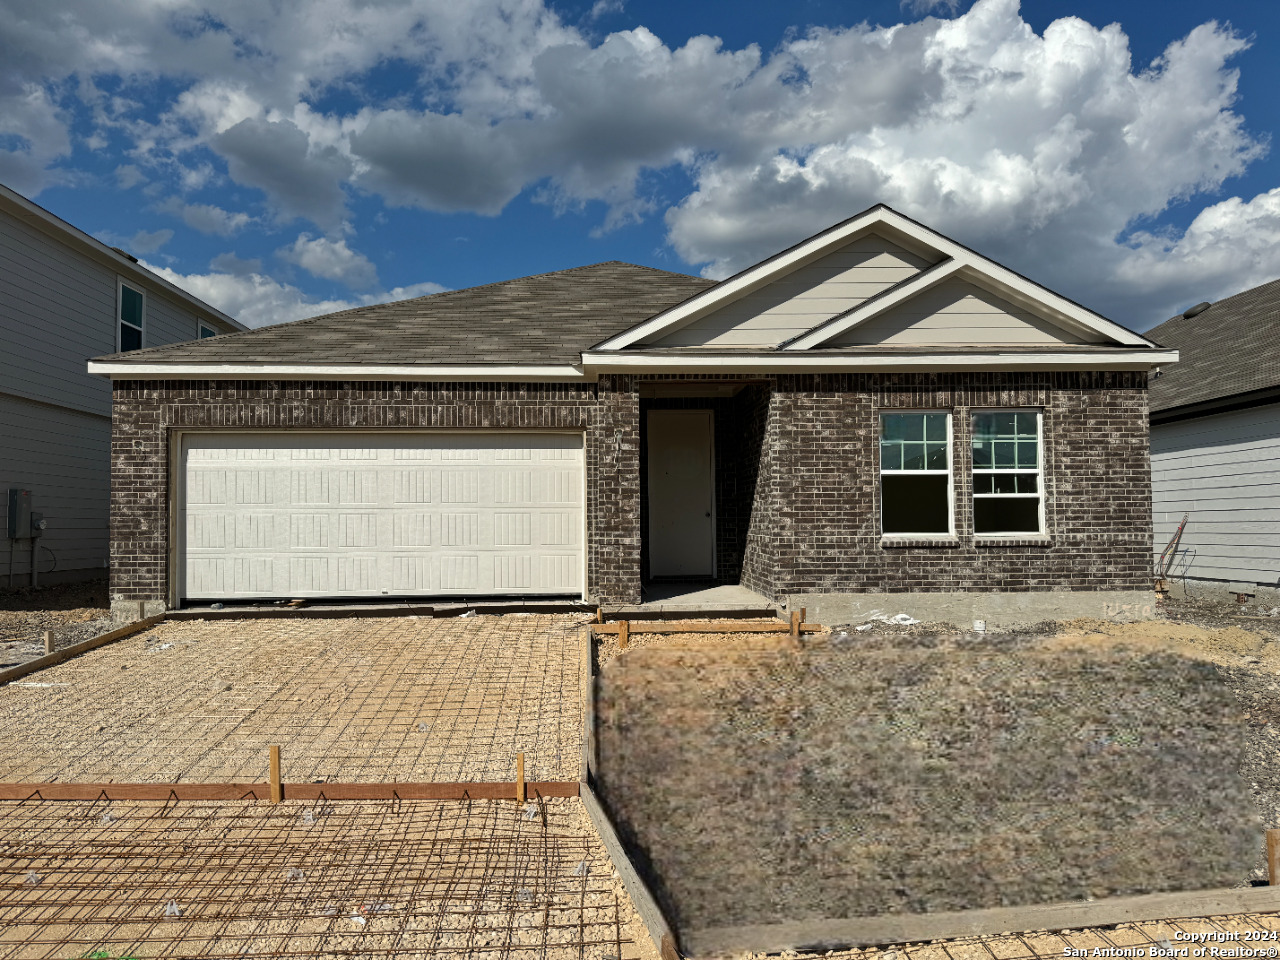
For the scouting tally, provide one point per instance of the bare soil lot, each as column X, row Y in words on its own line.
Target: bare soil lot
column 72, row 611
column 359, row 700
column 482, row 879
column 917, row 769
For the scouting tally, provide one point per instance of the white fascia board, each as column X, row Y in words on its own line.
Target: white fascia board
column 912, row 286
column 1017, row 287
column 40, row 218
column 334, row 371
column 749, row 279
column 1008, row 282
column 807, row 362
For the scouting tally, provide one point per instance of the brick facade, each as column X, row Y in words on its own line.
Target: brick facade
column 816, row 525
column 796, row 461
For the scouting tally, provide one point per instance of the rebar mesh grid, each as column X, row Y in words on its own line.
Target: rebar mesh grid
column 360, row 700
column 1040, row 945
column 483, row 879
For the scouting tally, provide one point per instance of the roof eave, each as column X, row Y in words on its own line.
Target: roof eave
column 473, row 372
column 36, row 215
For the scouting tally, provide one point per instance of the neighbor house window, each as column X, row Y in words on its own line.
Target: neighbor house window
column 915, row 473
column 207, row 331
column 131, row 313
column 1008, row 478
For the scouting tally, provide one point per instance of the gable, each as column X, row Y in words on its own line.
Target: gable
column 955, row 313
column 800, row 300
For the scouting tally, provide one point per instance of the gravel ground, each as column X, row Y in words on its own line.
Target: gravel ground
column 427, row 879
column 910, row 769
column 351, row 700
column 73, row 611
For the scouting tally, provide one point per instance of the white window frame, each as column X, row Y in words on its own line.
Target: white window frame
column 951, row 478
column 120, row 321
column 201, row 327
column 1038, row 472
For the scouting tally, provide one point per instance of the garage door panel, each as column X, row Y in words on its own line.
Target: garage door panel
column 369, row 515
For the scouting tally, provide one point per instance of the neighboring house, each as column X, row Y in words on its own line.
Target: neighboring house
column 875, row 409
column 1215, row 443
column 65, row 297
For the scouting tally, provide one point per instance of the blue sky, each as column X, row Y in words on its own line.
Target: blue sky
column 283, row 160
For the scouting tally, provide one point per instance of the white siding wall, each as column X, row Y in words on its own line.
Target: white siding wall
column 956, row 312
column 1225, row 471
column 804, row 298
column 57, row 310
column 61, row 456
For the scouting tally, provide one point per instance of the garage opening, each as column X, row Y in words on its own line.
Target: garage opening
column 359, row 515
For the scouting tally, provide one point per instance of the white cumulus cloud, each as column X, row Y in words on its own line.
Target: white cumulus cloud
column 1050, row 151
column 206, row 217
column 332, row 260
column 257, row 300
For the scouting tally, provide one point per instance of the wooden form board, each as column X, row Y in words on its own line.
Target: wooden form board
column 704, row 626
column 588, row 681
column 650, row 914
column 821, row 935
column 84, row 646
column 291, row 791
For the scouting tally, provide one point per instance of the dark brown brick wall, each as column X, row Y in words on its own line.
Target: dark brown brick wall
column 798, row 482
column 146, row 413
column 817, row 523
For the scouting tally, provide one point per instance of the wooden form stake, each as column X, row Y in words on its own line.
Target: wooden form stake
column 795, row 624
column 1273, row 857
column 624, row 628
column 48, row 642
column 520, row 778
column 599, row 614
column 277, row 789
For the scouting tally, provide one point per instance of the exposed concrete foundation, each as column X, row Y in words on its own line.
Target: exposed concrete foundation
column 130, row 611
column 1223, row 590
column 999, row 610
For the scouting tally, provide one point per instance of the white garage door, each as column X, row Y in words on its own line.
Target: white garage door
column 368, row 515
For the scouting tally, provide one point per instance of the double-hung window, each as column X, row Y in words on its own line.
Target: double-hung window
column 131, row 313
column 1008, row 478
column 915, row 474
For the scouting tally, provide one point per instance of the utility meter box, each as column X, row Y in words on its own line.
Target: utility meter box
column 19, row 514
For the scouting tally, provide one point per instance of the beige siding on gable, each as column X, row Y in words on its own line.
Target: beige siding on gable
column 956, row 313
column 802, row 299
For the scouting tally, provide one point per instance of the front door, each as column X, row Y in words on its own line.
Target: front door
column 682, row 523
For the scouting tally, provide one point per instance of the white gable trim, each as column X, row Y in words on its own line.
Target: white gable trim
column 1008, row 283
column 750, row 279
column 875, row 306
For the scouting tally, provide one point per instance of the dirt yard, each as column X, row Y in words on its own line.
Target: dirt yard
column 355, row 700
column 72, row 611
column 460, row 879
column 915, row 769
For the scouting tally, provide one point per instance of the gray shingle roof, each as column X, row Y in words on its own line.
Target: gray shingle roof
column 1231, row 348
column 545, row 319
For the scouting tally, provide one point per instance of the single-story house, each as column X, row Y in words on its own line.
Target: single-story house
column 877, row 408
column 1215, row 446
